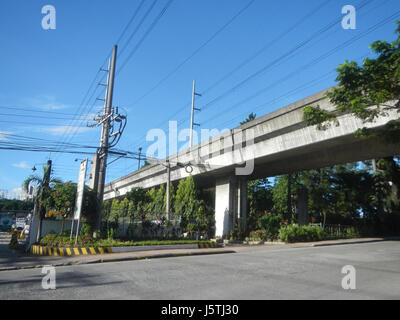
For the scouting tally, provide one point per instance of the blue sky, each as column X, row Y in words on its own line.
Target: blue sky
column 46, row 73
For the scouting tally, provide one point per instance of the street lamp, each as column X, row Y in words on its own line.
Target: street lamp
column 188, row 168
column 34, row 166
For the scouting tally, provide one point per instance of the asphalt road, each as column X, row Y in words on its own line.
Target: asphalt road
column 259, row 273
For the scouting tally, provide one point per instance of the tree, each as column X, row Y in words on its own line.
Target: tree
column 114, row 211
column 252, row 116
column 7, row 204
column 193, row 210
column 139, row 198
column 366, row 91
column 62, row 198
column 259, row 194
column 281, row 192
column 43, row 192
column 339, row 194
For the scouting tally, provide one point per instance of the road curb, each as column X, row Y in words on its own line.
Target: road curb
column 40, row 250
column 352, row 242
column 158, row 256
column 68, row 251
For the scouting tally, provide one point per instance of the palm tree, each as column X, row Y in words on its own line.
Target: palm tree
column 43, row 184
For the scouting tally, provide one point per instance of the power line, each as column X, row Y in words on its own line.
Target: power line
column 241, row 65
column 285, row 55
column 41, row 117
column 68, row 136
column 316, row 60
column 311, row 63
column 151, row 27
column 130, row 21
column 267, row 46
column 139, row 25
column 35, row 111
column 204, row 44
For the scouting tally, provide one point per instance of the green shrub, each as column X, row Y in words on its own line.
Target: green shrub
column 53, row 240
column 296, row 233
column 88, row 241
column 146, row 224
column 271, row 225
column 190, row 227
column 86, row 229
column 258, row 235
column 111, row 233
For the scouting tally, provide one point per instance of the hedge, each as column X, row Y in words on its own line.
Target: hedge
column 85, row 241
column 296, row 233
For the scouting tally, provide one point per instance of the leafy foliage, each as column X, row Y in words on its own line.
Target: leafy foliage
column 252, row 116
column 7, row 204
column 296, row 233
column 260, row 201
column 191, row 208
column 366, row 91
column 270, row 224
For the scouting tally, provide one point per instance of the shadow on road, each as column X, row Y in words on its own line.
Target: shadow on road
column 70, row 279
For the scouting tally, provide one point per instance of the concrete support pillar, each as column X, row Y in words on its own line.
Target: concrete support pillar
column 230, row 204
column 242, row 202
column 303, row 217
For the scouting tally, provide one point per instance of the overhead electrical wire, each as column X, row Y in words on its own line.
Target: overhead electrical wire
column 311, row 63
column 68, row 136
column 131, row 54
column 204, row 44
column 145, row 35
column 241, row 65
column 138, row 25
column 330, row 52
column 281, row 57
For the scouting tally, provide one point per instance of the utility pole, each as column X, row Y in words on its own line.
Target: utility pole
column 140, row 152
column 103, row 150
column 193, row 109
column 168, row 188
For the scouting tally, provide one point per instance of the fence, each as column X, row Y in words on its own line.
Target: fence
column 143, row 226
column 337, row 230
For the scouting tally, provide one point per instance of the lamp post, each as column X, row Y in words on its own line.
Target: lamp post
column 188, row 168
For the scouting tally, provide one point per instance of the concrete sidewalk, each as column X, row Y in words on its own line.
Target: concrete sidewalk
column 16, row 260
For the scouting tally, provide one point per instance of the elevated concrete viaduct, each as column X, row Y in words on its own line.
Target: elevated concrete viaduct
column 275, row 144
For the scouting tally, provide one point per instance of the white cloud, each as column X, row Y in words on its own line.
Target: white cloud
column 21, row 165
column 17, row 193
column 44, row 102
column 2, row 135
column 52, row 106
